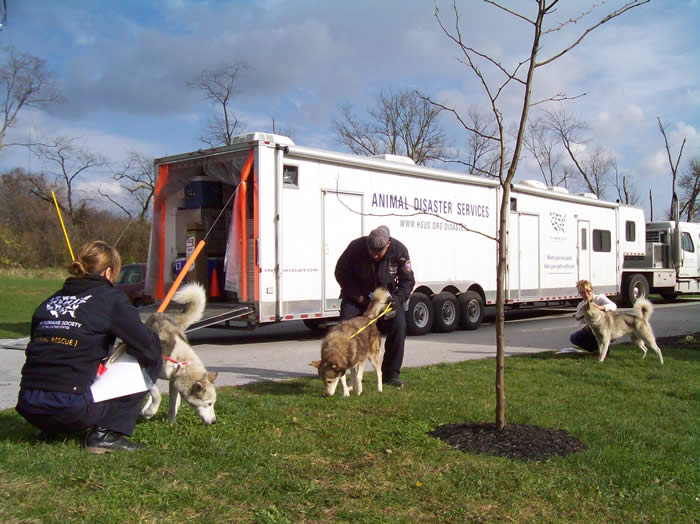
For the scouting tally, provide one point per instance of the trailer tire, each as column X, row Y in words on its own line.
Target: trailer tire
column 317, row 325
column 471, row 310
column 636, row 287
column 419, row 317
column 446, row 310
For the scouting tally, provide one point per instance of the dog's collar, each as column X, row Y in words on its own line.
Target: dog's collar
column 178, row 364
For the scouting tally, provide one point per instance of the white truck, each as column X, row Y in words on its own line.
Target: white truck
column 670, row 265
column 286, row 213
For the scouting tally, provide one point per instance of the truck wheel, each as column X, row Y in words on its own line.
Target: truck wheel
column 471, row 310
column 446, row 311
column 637, row 287
column 419, row 318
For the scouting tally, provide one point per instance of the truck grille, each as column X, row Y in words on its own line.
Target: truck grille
column 653, row 236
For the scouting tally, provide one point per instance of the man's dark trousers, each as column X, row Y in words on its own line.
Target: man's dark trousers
column 395, row 331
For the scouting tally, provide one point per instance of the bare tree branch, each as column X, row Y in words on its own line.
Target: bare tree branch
column 219, row 87
column 402, row 123
column 70, row 161
column 24, row 82
column 614, row 14
column 674, row 167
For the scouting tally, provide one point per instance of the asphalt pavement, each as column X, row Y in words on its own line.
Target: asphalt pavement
column 283, row 351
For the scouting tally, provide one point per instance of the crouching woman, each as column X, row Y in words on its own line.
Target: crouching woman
column 584, row 337
column 72, row 332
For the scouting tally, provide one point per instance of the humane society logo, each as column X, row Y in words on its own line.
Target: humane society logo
column 61, row 305
column 558, row 221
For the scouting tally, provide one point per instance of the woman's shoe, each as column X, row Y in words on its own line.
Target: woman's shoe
column 101, row 440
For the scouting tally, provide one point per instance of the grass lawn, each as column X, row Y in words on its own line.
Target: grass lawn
column 280, row 452
column 20, row 294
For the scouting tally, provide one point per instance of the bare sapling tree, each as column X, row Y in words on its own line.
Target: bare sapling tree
column 689, row 184
column 220, row 87
column 674, row 170
column 25, row 82
column 136, row 177
column 67, row 161
column 402, row 123
column 522, row 73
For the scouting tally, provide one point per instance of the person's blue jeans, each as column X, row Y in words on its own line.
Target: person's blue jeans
column 58, row 412
column 584, row 339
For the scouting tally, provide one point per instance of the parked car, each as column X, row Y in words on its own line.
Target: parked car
column 131, row 281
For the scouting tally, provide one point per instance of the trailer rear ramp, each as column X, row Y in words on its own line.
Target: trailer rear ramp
column 217, row 315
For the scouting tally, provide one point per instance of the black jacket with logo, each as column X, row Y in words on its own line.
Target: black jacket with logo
column 358, row 274
column 74, row 329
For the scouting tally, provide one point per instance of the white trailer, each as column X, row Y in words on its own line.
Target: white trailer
column 296, row 208
column 669, row 266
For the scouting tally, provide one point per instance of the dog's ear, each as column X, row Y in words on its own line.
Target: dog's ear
column 212, row 376
column 315, row 363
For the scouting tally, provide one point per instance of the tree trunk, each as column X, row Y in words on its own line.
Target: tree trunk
column 500, row 310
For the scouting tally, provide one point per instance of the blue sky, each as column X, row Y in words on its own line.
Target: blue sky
column 124, row 66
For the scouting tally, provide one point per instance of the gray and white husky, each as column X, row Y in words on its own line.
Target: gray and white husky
column 609, row 325
column 182, row 367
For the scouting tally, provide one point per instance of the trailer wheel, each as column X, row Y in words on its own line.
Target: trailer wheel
column 446, row 311
column 419, row 318
column 637, row 287
column 317, row 325
column 471, row 310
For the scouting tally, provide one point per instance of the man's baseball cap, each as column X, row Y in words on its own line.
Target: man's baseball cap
column 378, row 239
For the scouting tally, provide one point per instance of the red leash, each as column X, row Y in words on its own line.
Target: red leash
column 177, row 363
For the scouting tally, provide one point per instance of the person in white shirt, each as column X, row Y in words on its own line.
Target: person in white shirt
column 584, row 338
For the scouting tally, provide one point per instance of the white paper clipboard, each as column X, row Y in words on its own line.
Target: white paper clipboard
column 123, row 377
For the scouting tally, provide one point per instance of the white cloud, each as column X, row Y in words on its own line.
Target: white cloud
column 657, row 163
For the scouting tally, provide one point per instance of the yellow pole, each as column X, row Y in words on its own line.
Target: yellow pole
column 63, row 225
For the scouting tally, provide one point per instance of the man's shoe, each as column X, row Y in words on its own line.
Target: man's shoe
column 394, row 382
column 100, row 440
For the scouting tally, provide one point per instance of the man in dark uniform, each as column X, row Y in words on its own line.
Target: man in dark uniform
column 370, row 262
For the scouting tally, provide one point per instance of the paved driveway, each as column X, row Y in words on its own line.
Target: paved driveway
column 284, row 350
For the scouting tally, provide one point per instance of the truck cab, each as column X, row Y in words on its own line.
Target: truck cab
column 670, row 266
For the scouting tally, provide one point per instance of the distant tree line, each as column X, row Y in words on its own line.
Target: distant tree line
column 31, row 234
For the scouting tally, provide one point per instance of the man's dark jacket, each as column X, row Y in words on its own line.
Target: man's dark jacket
column 358, row 274
column 74, row 329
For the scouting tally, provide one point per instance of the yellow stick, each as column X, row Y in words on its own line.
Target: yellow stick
column 63, row 225
column 388, row 308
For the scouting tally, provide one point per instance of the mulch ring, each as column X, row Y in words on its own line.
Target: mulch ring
column 516, row 441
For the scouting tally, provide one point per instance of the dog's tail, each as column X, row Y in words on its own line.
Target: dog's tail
column 193, row 296
column 643, row 308
column 380, row 298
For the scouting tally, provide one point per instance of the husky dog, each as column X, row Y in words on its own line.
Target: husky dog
column 609, row 325
column 340, row 353
column 181, row 366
